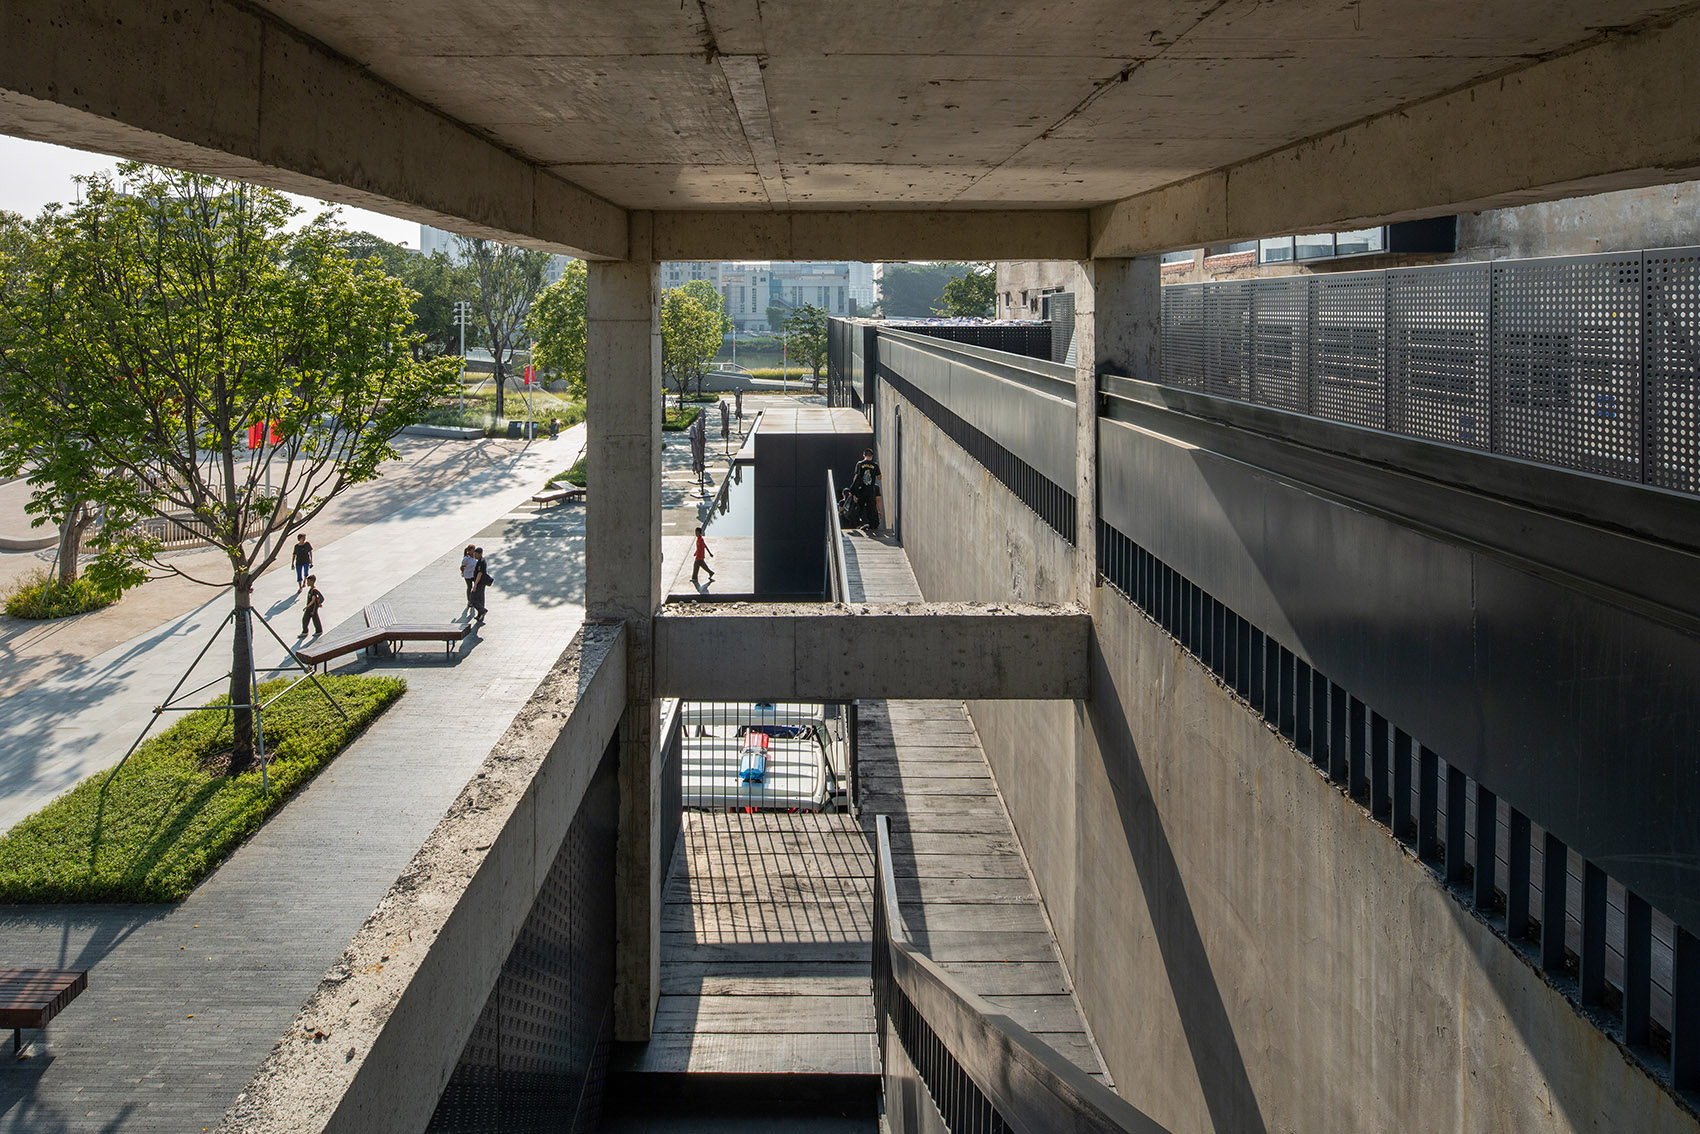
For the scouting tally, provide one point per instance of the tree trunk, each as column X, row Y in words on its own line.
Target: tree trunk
column 496, row 355
column 71, row 542
column 814, row 384
column 241, row 675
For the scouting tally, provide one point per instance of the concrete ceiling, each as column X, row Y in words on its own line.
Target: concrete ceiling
column 921, row 129
column 714, row 104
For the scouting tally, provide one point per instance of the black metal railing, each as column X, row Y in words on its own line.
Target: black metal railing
column 1584, row 362
column 1614, row 954
column 942, row 1047
column 1049, row 500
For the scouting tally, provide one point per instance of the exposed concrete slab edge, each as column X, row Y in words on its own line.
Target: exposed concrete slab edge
column 374, row 1046
column 839, row 651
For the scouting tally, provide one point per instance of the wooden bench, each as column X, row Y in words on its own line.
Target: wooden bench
column 31, row 997
column 557, row 495
column 382, row 629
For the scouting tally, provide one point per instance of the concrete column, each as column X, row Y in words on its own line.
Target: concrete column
column 1085, row 434
column 1130, row 316
column 622, row 553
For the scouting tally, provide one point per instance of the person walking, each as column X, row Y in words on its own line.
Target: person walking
column 468, row 567
column 310, row 613
column 303, row 556
column 703, row 555
column 554, row 428
column 480, row 580
column 865, row 483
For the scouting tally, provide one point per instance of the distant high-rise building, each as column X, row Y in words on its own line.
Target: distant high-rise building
column 437, row 240
column 752, row 289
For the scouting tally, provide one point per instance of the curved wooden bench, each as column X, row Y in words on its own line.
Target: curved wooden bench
column 557, row 495
column 382, row 629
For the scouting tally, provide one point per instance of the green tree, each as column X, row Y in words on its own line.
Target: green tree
column 693, row 319
column 805, row 330
column 168, row 313
column 971, row 294
column 438, row 282
column 913, row 290
column 506, row 279
column 558, row 328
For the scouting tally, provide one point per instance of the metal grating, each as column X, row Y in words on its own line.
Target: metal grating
column 1437, row 353
column 1280, row 339
column 1227, row 325
column 1672, row 360
column 1567, row 362
column 1350, row 351
column 1183, row 336
column 537, row 1056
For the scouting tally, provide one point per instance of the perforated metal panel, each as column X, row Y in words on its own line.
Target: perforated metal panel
column 1280, row 343
column 1567, row 362
column 1227, row 324
column 1672, row 358
column 1349, row 357
column 1437, row 353
column 537, row 1056
column 1182, row 362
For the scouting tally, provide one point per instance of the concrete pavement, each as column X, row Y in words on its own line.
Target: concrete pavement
column 79, row 721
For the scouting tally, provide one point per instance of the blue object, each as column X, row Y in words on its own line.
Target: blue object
column 752, row 765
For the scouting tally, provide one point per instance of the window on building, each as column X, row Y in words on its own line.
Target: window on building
column 1275, row 250
column 1177, row 257
column 1316, row 246
column 1360, row 241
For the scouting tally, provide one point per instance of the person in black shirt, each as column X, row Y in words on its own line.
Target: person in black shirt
column 865, row 484
column 303, row 561
column 310, row 613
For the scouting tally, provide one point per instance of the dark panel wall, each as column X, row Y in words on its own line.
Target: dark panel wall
column 1253, row 951
column 793, row 451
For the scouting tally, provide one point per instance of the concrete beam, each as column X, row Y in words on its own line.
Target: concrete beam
column 835, row 652
column 373, row 1048
column 1030, row 234
column 1620, row 112
column 229, row 90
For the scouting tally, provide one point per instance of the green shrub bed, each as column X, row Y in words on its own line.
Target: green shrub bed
column 40, row 595
column 171, row 814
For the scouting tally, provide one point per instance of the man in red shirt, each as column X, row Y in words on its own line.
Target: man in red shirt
column 703, row 555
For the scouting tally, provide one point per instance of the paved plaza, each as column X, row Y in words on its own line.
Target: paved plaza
column 185, row 1001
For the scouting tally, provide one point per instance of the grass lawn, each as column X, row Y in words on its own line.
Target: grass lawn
column 674, row 420
column 478, row 409
column 170, row 816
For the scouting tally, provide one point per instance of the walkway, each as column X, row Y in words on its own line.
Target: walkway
column 965, row 892
column 184, row 1002
column 767, row 918
column 58, row 731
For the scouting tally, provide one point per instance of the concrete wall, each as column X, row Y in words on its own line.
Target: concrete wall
column 1661, row 216
column 1251, row 950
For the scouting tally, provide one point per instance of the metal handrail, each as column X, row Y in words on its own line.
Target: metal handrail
column 1029, row 1085
column 837, row 574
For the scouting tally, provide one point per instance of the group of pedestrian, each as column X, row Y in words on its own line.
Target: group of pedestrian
column 476, row 574
column 305, row 580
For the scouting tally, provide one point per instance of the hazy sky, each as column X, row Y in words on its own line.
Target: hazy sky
column 34, row 173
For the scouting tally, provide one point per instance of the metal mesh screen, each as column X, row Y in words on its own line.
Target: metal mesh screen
column 1349, row 360
column 1280, row 339
column 1567, row 362
column 764, row 756
column 1183, row 336
column 1586, row 362
column 1437, row 353
column 536, row 1059
column 1227, row 319
column 1672, row 353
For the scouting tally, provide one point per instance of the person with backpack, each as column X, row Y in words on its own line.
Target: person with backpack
column 310, row 613
column 480, row 580
column 865, row 483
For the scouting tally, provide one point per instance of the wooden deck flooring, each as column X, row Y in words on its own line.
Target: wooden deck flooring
column 766, row 919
